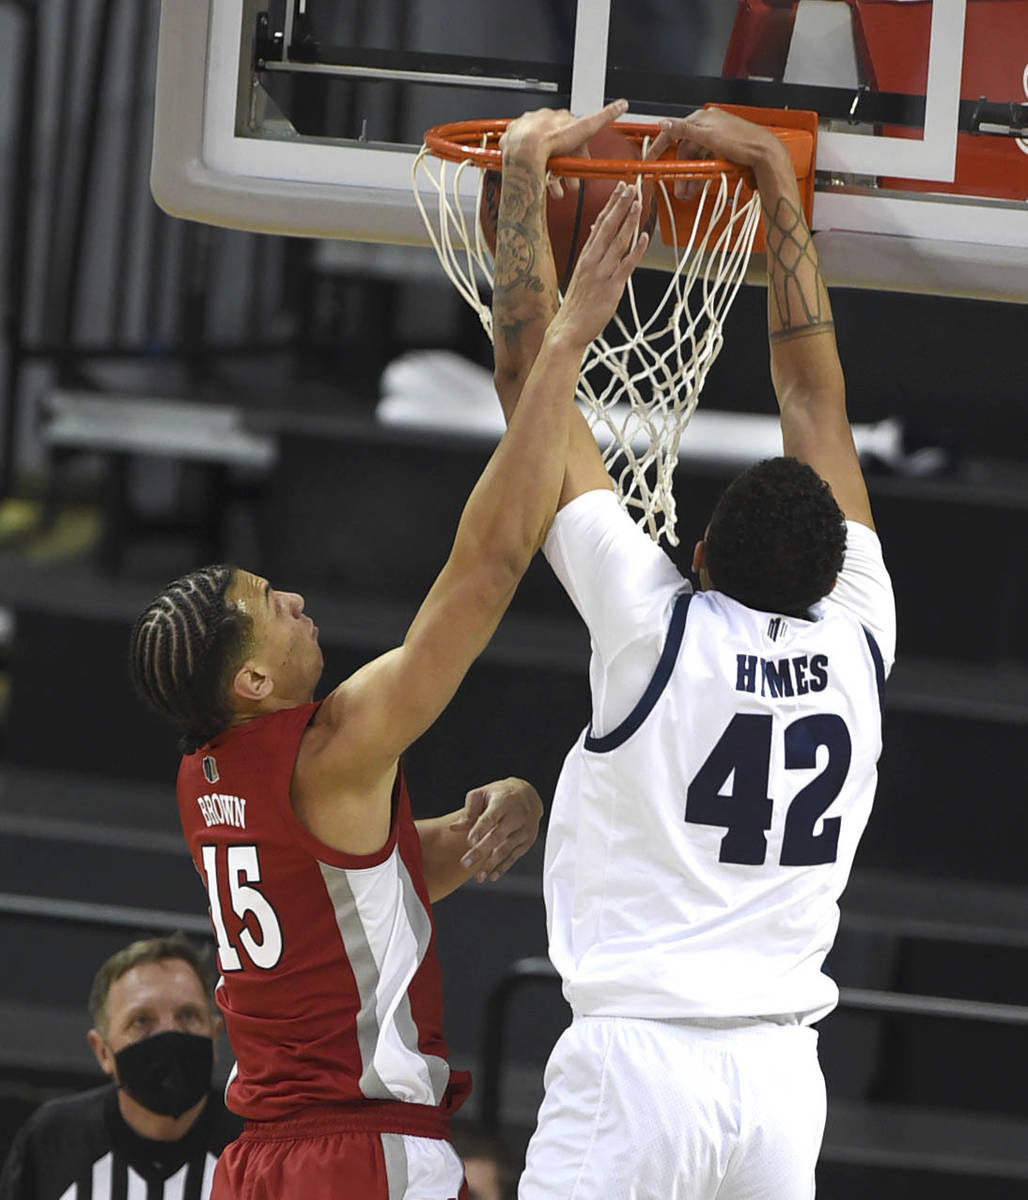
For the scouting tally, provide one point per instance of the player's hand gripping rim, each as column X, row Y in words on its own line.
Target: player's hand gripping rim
column 611, row 253
column 545, row 133
column 548, row 132
column 502, row 821
column 712, row 132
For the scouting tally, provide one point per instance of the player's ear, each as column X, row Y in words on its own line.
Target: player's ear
column 251, row 683
column 102, row 1051
column 699, row 556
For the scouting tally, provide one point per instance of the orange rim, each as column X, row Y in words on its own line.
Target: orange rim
column 478, row 141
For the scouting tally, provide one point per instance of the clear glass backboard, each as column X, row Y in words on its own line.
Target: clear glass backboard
column 303, row 116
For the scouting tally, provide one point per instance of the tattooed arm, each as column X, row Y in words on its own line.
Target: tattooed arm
column 805, row 367
column 525, row 278
column 805, row 364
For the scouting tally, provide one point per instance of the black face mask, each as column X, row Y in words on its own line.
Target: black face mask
column 166, row 1072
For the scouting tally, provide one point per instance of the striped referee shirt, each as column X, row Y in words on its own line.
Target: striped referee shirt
column 80, row 1148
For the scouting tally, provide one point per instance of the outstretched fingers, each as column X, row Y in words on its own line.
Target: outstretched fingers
column 636, row 249
column 612, row 236
column 551, row 132
column 609, row 256
column 571, row 137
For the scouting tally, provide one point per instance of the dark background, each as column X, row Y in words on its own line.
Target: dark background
column 106, row 295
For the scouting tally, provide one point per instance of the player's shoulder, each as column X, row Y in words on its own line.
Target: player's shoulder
column 597, row 513
column 251, row 748
column 595, row 500
column 859, row 534
column 864, row 553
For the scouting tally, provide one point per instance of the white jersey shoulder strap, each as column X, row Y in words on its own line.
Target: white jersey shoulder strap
column 654, row 689
column 879, row 664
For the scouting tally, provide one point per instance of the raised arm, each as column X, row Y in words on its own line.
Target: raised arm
column 351, row 750
column 525, row 277
column 805, row 366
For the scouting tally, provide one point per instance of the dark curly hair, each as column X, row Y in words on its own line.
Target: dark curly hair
column 776, row 538
column 185, row 646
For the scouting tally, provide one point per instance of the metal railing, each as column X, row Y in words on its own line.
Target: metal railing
column 121, row 917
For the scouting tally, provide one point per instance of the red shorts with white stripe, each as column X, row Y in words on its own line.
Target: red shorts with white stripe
column 335, row 1154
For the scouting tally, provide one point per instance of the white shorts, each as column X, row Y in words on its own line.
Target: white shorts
column 663, row 1110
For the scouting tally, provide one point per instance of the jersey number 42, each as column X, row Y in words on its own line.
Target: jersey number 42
column 745, row 749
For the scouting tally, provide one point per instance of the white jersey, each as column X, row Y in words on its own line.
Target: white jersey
column 705, row 825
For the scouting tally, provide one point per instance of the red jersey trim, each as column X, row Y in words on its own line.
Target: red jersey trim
column 292, row 724
column 368, row 1116
column 414, row 1120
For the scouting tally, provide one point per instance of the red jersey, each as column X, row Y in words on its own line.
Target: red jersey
column 330, row 986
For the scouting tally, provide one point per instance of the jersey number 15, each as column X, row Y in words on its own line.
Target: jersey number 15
column 745, row 749
column 242, row 864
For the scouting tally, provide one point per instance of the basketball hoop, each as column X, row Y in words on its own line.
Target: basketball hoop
column 640, row 381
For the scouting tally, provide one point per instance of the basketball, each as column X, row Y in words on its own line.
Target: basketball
column 570, row 217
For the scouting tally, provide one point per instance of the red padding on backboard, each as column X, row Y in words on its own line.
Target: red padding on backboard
column 759, row 42
column 892, row 41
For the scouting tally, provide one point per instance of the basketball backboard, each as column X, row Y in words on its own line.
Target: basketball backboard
column 304, row 116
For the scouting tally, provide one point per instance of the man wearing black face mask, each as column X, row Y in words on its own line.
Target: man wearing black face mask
column 158, row 1129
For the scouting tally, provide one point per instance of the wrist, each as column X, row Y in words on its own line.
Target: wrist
column 774, row 164
column 525, row 152
column 563, row 338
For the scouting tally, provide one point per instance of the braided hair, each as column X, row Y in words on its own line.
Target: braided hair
column 776, row 538
column 185, row 646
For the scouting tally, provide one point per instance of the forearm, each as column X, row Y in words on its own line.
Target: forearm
column 805, row 364
column 798, row 306
column 525, row 282
column 805, row 367
column 498, row 823
column 442, row 849
column 510, row 509
column 525, row 300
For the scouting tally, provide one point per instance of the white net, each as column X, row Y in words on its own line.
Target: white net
column 640, row 381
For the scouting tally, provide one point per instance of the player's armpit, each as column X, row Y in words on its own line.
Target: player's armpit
column 346, row 767
column 345, row 771
column 584, row 471
column 375, row 714
column 334, row 795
